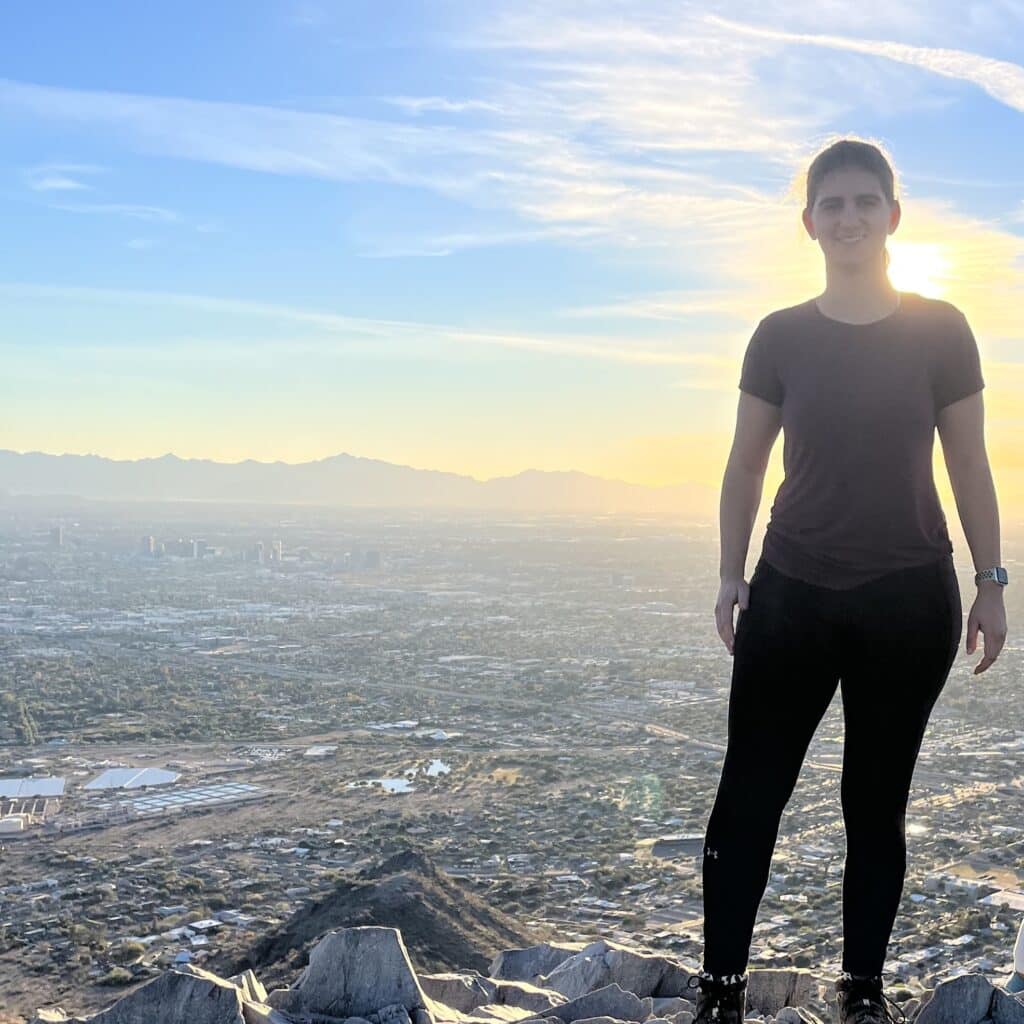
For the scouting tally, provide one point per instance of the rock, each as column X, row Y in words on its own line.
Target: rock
column 963, row 1000
column 525, row 996
column 532, row 962
column 604, row 963
column 462, row 991
column 666, row 1006
column 393, row 1013
column 250, row 986
column 796, row 1015
column 179, row 994
column 770, row 989
column 353, row 972
column 580, row 973
column 488, row 1013
column 1005, row 1008
column 610, row 1001
column 260, row 1013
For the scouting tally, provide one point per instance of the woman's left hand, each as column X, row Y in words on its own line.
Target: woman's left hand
column 989, row 615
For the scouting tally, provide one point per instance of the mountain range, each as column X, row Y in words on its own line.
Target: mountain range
column 341, row 479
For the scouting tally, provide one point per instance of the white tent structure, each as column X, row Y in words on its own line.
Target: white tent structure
column 132, row 778
column 25, row 789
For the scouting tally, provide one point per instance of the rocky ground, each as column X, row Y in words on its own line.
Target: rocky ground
column 402, row 943
column 363, row 975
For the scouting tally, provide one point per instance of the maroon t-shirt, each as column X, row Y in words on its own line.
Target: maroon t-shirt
column 859, row 404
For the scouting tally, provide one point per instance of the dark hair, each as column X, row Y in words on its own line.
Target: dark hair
column 851, row 152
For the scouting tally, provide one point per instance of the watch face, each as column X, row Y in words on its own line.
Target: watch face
column 1001, row 576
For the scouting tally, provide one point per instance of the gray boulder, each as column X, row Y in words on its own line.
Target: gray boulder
column 1005, row 1008
column 186, row 995
column 610, row 1001
column 354, row 972
column 250, row 986
column 532, row 962
column 525, row 996
column 489, row 1013
column 394, row 1013
column 260, row 1013
column 529, row 964
column 462, row 990
column 666, row 1006
column 963, row 1000
column 604, row 963
column 770, row 989
column 796, row 1015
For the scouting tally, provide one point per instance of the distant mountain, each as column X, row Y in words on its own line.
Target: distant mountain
column 337, row 480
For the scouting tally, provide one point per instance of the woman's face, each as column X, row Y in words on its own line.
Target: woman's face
column 851, row 218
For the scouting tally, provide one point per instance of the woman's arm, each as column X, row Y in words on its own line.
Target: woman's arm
column 961, row 428
column 758, row 423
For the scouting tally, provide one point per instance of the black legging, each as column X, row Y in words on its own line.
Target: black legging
column 891, row 642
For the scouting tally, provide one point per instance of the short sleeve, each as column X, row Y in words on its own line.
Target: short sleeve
column 958, row 370
column 759, row 375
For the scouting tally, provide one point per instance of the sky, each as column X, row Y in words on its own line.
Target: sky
column 478, row 237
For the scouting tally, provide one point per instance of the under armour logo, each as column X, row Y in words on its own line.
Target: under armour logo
column 708, row 852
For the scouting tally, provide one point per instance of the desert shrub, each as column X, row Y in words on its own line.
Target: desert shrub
column 116, row 976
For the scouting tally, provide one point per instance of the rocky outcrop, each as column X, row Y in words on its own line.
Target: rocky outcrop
column 970, row 999
column 444, row 925
column 184, row 993
column 357, row 972
column 363, row 975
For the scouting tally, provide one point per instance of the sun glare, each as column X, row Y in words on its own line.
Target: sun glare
column 919, row 267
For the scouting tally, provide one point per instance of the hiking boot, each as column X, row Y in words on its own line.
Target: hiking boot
column 721, row 1000
column 862, row 1001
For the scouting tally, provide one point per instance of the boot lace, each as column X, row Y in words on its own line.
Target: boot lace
column 865, row 1003
column 716, row 991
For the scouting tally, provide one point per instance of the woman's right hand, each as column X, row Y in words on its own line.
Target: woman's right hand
column 730, row 593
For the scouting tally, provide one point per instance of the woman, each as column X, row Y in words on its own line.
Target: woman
column 855, row 584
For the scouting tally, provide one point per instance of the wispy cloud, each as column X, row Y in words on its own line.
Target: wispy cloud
column 663, row 130
column 59, row 177
column 157, row 214
column 445, row 245
column 623, row 348
column 440, row 104
column 1002, row 80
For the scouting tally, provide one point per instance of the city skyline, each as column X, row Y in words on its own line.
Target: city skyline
column 475, row 241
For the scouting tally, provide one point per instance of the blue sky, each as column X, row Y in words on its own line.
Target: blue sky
column 473, row 237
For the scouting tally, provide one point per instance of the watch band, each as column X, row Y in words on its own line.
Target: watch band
column 998, row 574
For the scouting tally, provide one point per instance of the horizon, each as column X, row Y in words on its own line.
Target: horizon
column 475, row 242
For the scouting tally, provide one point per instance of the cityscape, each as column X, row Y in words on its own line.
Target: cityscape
column 209, row 714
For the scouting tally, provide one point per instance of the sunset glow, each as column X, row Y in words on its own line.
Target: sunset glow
column 922, row 267
column 474, row 238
